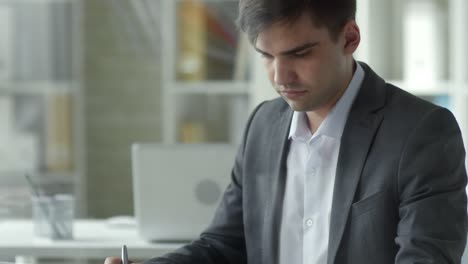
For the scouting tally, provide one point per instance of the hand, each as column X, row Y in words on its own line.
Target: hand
column 115, row 260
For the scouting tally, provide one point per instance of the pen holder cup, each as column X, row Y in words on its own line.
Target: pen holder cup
column 53, row 216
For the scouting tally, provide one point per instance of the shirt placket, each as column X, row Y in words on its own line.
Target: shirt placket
column 311, row 196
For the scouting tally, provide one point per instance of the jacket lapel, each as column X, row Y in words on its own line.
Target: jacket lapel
column 277, row 163
column 361, row 126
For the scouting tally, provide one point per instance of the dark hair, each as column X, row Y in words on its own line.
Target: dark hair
column 256, row 15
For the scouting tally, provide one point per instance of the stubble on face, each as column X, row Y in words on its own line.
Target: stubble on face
column 318, row 91
column 308, row 98
column 314, row 84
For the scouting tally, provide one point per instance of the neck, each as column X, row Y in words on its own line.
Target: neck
column 316, row 117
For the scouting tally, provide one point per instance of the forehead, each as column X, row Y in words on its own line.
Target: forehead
column 284, row 35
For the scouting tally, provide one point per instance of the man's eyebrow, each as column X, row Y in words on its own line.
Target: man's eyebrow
column 293, row 50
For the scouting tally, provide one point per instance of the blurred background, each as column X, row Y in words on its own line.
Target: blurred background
column 81, row 80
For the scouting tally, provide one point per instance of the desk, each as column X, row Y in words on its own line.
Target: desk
column 92, row 239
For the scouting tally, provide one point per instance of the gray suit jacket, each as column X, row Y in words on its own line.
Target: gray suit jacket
column 399, row 194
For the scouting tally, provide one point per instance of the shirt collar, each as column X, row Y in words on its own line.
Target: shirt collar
column 335, row 120
column 299, row 129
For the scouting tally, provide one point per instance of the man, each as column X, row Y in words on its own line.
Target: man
column 344, row 168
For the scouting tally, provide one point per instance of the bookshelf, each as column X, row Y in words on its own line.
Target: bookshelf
column 205, row 86
column 382, row 24
column 40, row 101
column 420, row 46
column 383, row 38
column 432, row 64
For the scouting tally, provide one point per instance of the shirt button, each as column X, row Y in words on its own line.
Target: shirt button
column 309, row 222
column 312, row 171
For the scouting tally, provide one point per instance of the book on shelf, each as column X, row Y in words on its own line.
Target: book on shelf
column 241, row 63
column 5, row 128
column 225, row 48
column 6, row 38
column 191, row 41
column 192, row 132
column 34, row 57
column 19, row 154
column 220, row 23
column 209, row 45
column 18, row 149
column 6, row 118
column 423, row 41
column 58, row 147
column 24, row 153
column 43, row 40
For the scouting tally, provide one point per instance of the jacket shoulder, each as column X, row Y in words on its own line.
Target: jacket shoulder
column 403, row 103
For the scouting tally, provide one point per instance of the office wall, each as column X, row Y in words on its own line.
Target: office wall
column 122, row 105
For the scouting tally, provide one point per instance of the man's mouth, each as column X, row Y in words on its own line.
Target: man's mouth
column 293, row 93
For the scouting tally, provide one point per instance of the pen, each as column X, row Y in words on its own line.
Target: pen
column 124, row 255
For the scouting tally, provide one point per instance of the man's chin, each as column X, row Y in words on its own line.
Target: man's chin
column 298, row 107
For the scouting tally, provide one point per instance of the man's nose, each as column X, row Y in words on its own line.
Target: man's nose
column 283, row 74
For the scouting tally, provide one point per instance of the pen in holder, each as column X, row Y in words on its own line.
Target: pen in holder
column 52, row 215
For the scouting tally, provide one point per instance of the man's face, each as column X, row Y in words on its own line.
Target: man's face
column 306, row 67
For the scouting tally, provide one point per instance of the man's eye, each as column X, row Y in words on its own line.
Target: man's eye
column 265, row 56
column 301, row 54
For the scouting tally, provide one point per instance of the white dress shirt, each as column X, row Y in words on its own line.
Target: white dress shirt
column 311, row 169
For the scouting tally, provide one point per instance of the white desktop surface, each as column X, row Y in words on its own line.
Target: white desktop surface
column 92, row 239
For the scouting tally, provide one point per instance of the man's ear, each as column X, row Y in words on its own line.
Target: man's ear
column 352, row 37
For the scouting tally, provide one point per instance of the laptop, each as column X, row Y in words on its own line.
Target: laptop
column 177, row 187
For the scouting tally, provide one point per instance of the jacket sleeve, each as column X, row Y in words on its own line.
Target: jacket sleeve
column 432, row 197
column 223, row 241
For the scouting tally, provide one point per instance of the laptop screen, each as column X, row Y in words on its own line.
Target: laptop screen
column 176, row 187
